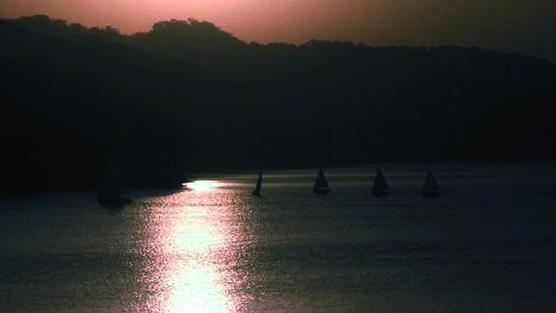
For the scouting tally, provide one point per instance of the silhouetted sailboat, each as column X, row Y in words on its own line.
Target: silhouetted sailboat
column 431, row 188
column 321, row 184
column 380, row 187
column 258, row 188
column 110, row 193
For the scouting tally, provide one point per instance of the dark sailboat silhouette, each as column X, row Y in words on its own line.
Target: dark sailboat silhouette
column 380, row 187
column 321, row 184
column 258, row 188
column 110, row 193
column 431, row 188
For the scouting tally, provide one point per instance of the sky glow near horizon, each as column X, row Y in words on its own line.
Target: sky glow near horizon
column 510, row 25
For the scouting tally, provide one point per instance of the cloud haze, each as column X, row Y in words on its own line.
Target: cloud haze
column 510, row 25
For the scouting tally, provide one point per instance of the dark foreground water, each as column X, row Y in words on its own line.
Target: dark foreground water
column 489, row 245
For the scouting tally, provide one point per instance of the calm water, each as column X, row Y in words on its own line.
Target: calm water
column 489, row 245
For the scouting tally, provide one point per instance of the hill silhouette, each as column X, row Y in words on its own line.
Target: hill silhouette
column 175, row 38
column 187, row 95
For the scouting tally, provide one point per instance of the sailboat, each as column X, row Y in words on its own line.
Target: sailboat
column 321, row 184
column 380, row 187
column 258, row 188
column 431, row 188
column 110, row 193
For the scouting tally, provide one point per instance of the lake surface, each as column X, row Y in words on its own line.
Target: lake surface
column 488, row 245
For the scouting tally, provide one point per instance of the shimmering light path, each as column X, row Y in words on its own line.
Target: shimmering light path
column 488, row 245
column 195, row 250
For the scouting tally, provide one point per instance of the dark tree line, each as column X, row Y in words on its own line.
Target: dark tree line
column 188, row 96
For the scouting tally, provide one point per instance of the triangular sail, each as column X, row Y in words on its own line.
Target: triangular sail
column 259, row 186
column 431, row 188
column 380, row 187
column 321, row 183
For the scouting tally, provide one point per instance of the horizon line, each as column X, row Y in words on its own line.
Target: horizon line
column 292, row 43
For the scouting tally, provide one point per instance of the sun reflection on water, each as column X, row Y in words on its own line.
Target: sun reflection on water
column 202, row 185
column 197, row 288
column 195, row 237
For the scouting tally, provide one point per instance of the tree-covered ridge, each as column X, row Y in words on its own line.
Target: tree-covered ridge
column 189, row 94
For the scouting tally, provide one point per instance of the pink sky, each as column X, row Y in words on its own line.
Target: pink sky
column 514, row 25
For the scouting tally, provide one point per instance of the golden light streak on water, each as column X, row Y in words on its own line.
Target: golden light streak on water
column 195, row 250
column 197, row 288
column 202, row 185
